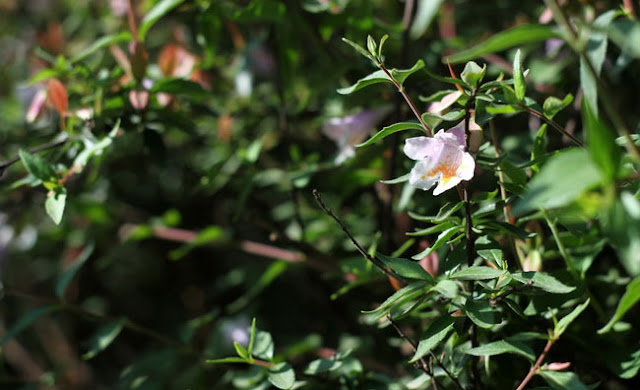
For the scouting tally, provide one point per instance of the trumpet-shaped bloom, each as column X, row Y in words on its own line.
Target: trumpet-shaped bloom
column 441, row 159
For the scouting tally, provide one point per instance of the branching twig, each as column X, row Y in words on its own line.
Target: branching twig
column 422, row 363
column 406, row 97
column 534, row 369
column 553, row 124
column 355, row 243
column 50, row 145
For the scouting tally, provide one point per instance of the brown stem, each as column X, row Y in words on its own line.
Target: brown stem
column 375, row 261
column 534, row 369
column 553, row 124
column 422, row 363
column 407, row 98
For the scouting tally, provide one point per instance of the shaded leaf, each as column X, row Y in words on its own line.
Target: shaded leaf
column 526, row 33
column 552, row 105
column 441, row 240
column 381, row 77
column 282, row 375
column 394, row 128
column 542, row 281
column 628, row 300
column 561, row 180
column 435, row 334
column 503, row 346
column 25, row 321
column 479, row 272
column 104, row 337
column 481, row 313
column 405, row 268
column 564, row 323
column 68, row 275
column 101, row 43
column 159, row 10
column 559, row 380
column 38, row 167
column 601, row 143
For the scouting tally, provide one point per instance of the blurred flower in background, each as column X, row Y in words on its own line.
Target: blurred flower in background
column 352, row 130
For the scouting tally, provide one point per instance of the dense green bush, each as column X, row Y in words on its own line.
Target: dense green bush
column 319, row 194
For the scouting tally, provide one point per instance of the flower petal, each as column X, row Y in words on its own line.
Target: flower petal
column 447, row 100
column 419, row 176
column 467, row 167
column 444, row 185
column 458, row 132
column 417, row 148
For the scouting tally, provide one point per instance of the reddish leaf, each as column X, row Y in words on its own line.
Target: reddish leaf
column 58, row 96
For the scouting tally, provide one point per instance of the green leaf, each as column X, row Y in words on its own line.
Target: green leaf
column 178, row 86
column 227, row 360
column 38, row 167
column 162, row 8
column 473, row 73
column 425, row 13
column 519, row 84
column 519, row 35
column 263, row 346
column 252, row 336
column 54, row 205
column 481, row 313
column 562, row 380
column 564, row 323
column 405, row 294
column 101, row 43
column 394, row 128
column 381, row 77
column 282, row 375
column 382, row 41
column 479, row 272
column 493, row 255
column 542, row 281
column 435, row 334
column 503, row 346
column 241, row 351
column 595, row 52
column 405, row 268
column 359, row 49
column 95, row 148
column 626, row 34
column 628, row 300
column 444, row 214
column 564, row 177
column 26, row 320
column 601, row 143
column 320, row 366
column 66, row 277
column 441, row 240
column 104, row 337
column 552, row 105
column 621, row 225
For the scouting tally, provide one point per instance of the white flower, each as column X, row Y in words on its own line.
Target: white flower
column 441, row 159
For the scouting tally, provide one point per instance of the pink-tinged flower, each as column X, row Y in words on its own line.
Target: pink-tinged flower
column 352, row 130
column 441, row 159
column 444, row 103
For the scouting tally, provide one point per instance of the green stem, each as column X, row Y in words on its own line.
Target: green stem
column 563, row 250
